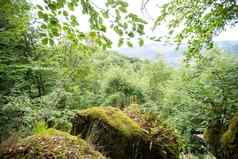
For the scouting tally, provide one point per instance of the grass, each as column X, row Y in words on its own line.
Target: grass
column 39, row 127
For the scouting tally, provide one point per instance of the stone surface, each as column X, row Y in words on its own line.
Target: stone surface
column 223, row 143
column 50, row 144
column 115, row 134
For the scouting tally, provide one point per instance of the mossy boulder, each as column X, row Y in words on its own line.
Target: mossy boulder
column 118, row 136
column 50, row 144
column 223, row 143
column 230, row 139
column 231, row 135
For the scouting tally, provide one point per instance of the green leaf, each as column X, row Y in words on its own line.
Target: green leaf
column 141, row 42
column 129, row 44
column 65, row 13
column 43, row 26
column 55, row 31
column 131, row 34
column 39, row 7
column 118, row 30
column 45, row 41
column 71, row 6
column 54, row 22
column 140, row 29
column 93, row 35
column 74, row 21
column 53, row 6
column 42, row 34
column 123, row 9
column 105, row 14
column 51, row 42
column 120, row 42
column 123, row 3
column 110, row 2
column 40, row 14
column 103, row 28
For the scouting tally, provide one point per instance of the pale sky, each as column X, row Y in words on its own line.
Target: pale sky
column 230, row 34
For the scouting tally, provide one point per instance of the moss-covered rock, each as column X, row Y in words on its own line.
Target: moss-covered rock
column 51, row 144
column 223, row 143
column 229, row 139
column 212, row 136
column 118, row 136
column 231, row 135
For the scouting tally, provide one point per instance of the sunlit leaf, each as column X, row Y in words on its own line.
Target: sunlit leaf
column 45, row 41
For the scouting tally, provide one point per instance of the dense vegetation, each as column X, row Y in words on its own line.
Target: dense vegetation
column 48, row 77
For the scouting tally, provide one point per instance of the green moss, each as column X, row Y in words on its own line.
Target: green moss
column 230, row 135
column 214, row 133
column 52, row 143
column 124, row 134
column 114, row 117
column 222, row 141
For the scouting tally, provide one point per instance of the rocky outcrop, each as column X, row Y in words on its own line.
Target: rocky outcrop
column 51, row 144
column 223, row 143
column 118, row 136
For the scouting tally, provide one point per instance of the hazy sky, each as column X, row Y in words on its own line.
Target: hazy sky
column 230, row 34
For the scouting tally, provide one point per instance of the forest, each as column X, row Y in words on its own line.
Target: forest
column 66, row 92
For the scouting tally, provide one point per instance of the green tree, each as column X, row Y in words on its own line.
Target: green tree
column 16, row 56
column 193, row 22
column 202, row 94
column 197, row 22
column 158, row 73
column 123, row 23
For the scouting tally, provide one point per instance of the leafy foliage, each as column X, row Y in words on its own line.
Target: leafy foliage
column 48, row 83
column 197, row 22
column 125, row 24
column 202, row 94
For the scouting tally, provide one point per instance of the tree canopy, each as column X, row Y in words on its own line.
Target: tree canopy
column 197, row 22
column 113, row 15
column 51, row 68
column 192, row 22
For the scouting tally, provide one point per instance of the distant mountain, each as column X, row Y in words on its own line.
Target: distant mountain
column 169, row 52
